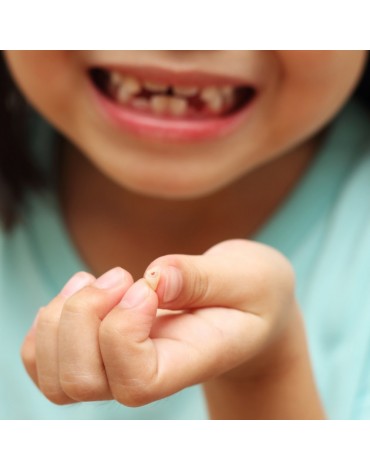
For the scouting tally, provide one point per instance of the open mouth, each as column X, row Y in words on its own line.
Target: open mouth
column 170, row 100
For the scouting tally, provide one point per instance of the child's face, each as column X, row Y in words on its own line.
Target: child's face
column 179, row 146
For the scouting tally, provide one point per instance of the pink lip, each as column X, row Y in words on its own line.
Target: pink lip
column 166, row 129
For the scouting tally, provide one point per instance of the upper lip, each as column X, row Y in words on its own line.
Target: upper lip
column 186, row 77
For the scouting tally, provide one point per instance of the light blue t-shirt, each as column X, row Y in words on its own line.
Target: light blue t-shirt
column 323, row 228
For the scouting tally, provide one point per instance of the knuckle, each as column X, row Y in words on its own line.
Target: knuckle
column 27, row 353
column 83, row 387
column 198, row 284
column 53, row 393
column 87, row 298
column 43, row 315
column 233, row 246
column 108, row 331
column 134, row 394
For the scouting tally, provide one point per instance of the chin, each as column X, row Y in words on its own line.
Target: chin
column 174, row 189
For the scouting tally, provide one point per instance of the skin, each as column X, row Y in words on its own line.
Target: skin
column 256, row 364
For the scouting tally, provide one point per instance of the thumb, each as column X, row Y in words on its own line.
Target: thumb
column 237, row 274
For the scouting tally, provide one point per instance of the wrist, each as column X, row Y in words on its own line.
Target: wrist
column 278, row 384
column 283, row 350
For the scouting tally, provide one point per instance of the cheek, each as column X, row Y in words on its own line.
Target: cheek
column 325, row 75
column 47, row 79
column 312, row 87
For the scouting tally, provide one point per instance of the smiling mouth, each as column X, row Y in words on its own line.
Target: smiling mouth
column 171, row 101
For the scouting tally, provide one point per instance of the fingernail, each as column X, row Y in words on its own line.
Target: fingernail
column 173, row 283
column 136, row 294
column 77, row 282
column 112, row 278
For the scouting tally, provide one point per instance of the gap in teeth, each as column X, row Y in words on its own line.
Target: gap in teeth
column 173, row 100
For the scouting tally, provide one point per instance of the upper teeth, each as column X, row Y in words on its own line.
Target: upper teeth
column 186, row 91
column 156, row 87
column 125, row 88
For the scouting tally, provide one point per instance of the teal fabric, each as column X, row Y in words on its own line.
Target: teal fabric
column 323, row 228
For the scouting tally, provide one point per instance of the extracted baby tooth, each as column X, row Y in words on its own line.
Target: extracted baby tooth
column 152, row 277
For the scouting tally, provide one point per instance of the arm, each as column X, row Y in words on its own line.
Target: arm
column 285, row 389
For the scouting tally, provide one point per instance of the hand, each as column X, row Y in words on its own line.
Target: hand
column 220, row 314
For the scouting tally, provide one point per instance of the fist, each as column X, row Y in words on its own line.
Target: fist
column 189, row 319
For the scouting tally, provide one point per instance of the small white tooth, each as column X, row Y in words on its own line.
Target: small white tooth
column 140, row 103
column 216, row 104
column 209, row 93
column 127, row 89
column 115, row 78
column 156, row 87
column 131, row 85
column 227, row 91
column 159, row 104
column 213, row 97
column 177, row 106
column 186, row 91
column 122, row 95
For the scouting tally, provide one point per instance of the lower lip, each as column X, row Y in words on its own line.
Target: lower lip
column 156, row 128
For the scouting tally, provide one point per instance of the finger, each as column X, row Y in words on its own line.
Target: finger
column 81, row 369
column 46, row 341
column 128, row 353
column 193, row 347
column 28, row 351
column 237, row 274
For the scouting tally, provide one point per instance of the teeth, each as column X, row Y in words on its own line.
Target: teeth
column 187, row 91
column 131, row 85
column 115, row 78
column 168, row 105
column 177, row 106
column 122, row 95
column 227, row 90
column 228, row 93
column 141, row 104
column 159, row 104
column 216, row 104
column 212, row 96
column 125, row 87
column 156, row 87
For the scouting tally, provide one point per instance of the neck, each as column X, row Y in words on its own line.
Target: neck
column 112, row 226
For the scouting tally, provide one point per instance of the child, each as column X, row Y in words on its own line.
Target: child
column 208, row 202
